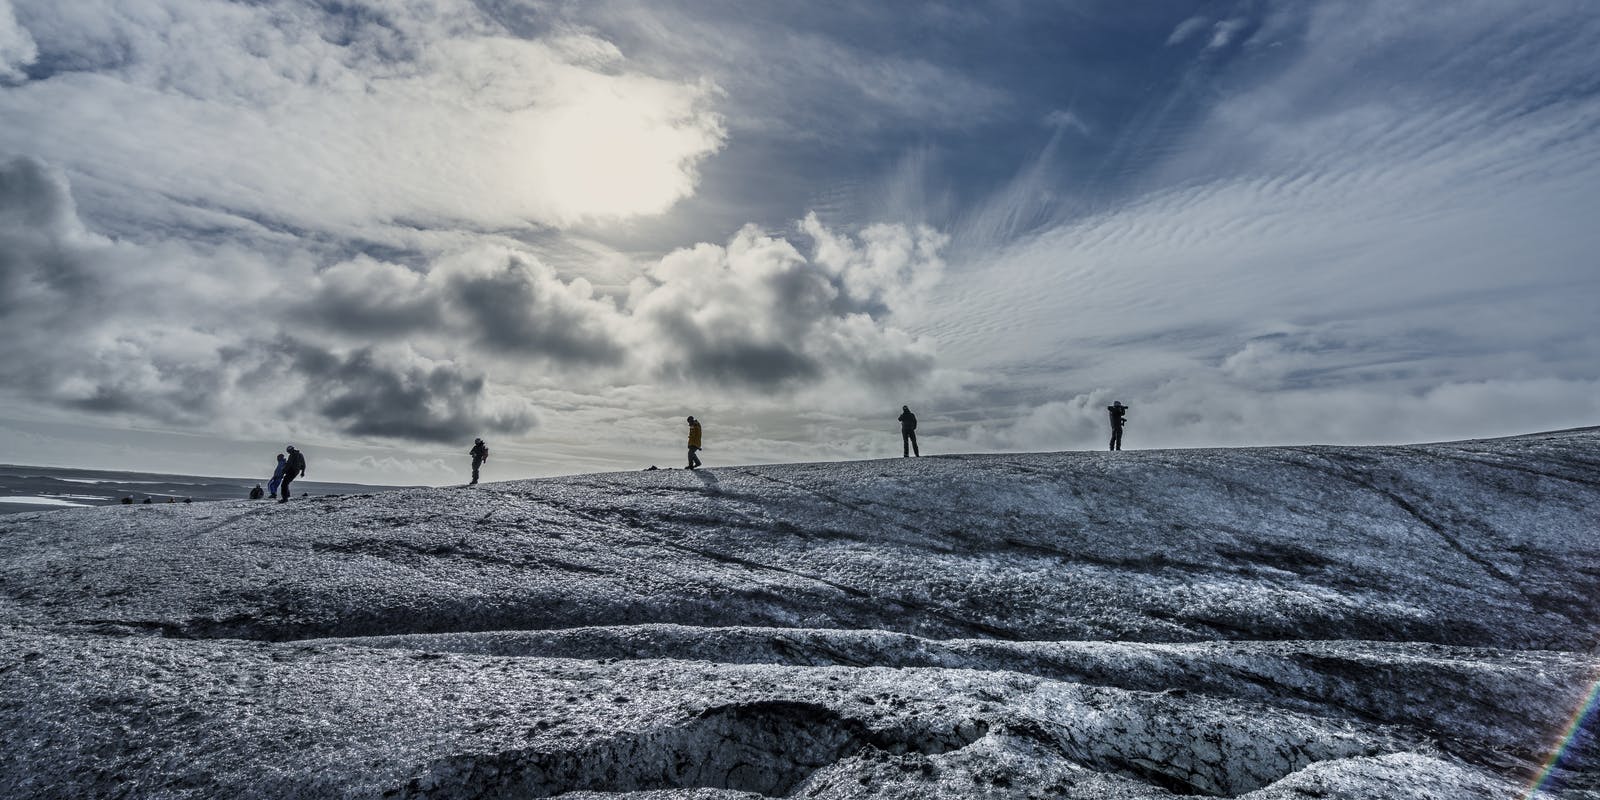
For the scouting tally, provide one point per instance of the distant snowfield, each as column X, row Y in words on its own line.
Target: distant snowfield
column 1273, row 623
column 68, row 501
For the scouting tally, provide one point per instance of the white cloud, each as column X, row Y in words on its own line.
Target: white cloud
column 205, row 338
column 1223, row 32
column 892, row 266
column 17, row 48
column 1187, row 29
column 1060, row 118
column 330, row 120
column 1387, row 232
column 392, row 469
column 758, row 313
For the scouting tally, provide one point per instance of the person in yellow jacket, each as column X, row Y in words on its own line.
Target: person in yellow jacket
column 694, row 442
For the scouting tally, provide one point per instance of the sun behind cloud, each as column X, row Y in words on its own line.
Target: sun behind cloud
column 620, row 147
column 351, row 123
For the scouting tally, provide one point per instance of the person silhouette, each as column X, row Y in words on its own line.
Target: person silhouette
column 908, row 433
column 694, row 443
column 294, row 467
column 480, row 454
column 1119, row 414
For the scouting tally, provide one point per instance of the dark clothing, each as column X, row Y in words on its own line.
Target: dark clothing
column 256, row 493
column 1118, row 417
column 295, row 467
column 908, row 434
column 694, row 460
column 694, row 443
column 480, row 454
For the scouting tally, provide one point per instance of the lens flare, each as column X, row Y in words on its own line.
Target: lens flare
column 1557, row 753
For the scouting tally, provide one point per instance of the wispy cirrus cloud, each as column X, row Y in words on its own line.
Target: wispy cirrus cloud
column 1347, row 229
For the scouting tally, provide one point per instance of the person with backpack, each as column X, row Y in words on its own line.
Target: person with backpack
column 694, row 443
column 480, row 454
column 294, row 467
column 277, row 477
column 1119, row 414
column 908, row 433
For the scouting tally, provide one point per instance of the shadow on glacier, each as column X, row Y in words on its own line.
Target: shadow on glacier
column 764, row 747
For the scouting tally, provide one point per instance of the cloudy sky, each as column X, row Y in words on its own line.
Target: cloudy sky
column 379, row 228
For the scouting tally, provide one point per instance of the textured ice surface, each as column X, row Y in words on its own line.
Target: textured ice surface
column 1404, row 622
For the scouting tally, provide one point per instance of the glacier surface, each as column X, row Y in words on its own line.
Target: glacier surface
column 1335, row 622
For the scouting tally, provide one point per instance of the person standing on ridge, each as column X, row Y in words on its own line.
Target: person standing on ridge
column 1119, row 413
column 277, row 478
column 295, row 467
column 480, row 454
column 908, row 433
column 694, row 442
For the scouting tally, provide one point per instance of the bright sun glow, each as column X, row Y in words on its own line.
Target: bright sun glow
column 619, row 151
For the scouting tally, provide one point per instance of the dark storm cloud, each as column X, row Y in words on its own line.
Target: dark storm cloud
column 197, row 336
column 520, row 308
column 120, row 330
column 367, row 298
column 41, row 248
column 505, row 302
column 176, row 393
column 730, row 358
column 755, row 314
column 364, row 394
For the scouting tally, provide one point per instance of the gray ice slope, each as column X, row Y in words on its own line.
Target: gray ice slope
column 1402, row 622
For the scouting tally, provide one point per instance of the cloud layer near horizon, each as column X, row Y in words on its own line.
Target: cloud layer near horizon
column 201, row 337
